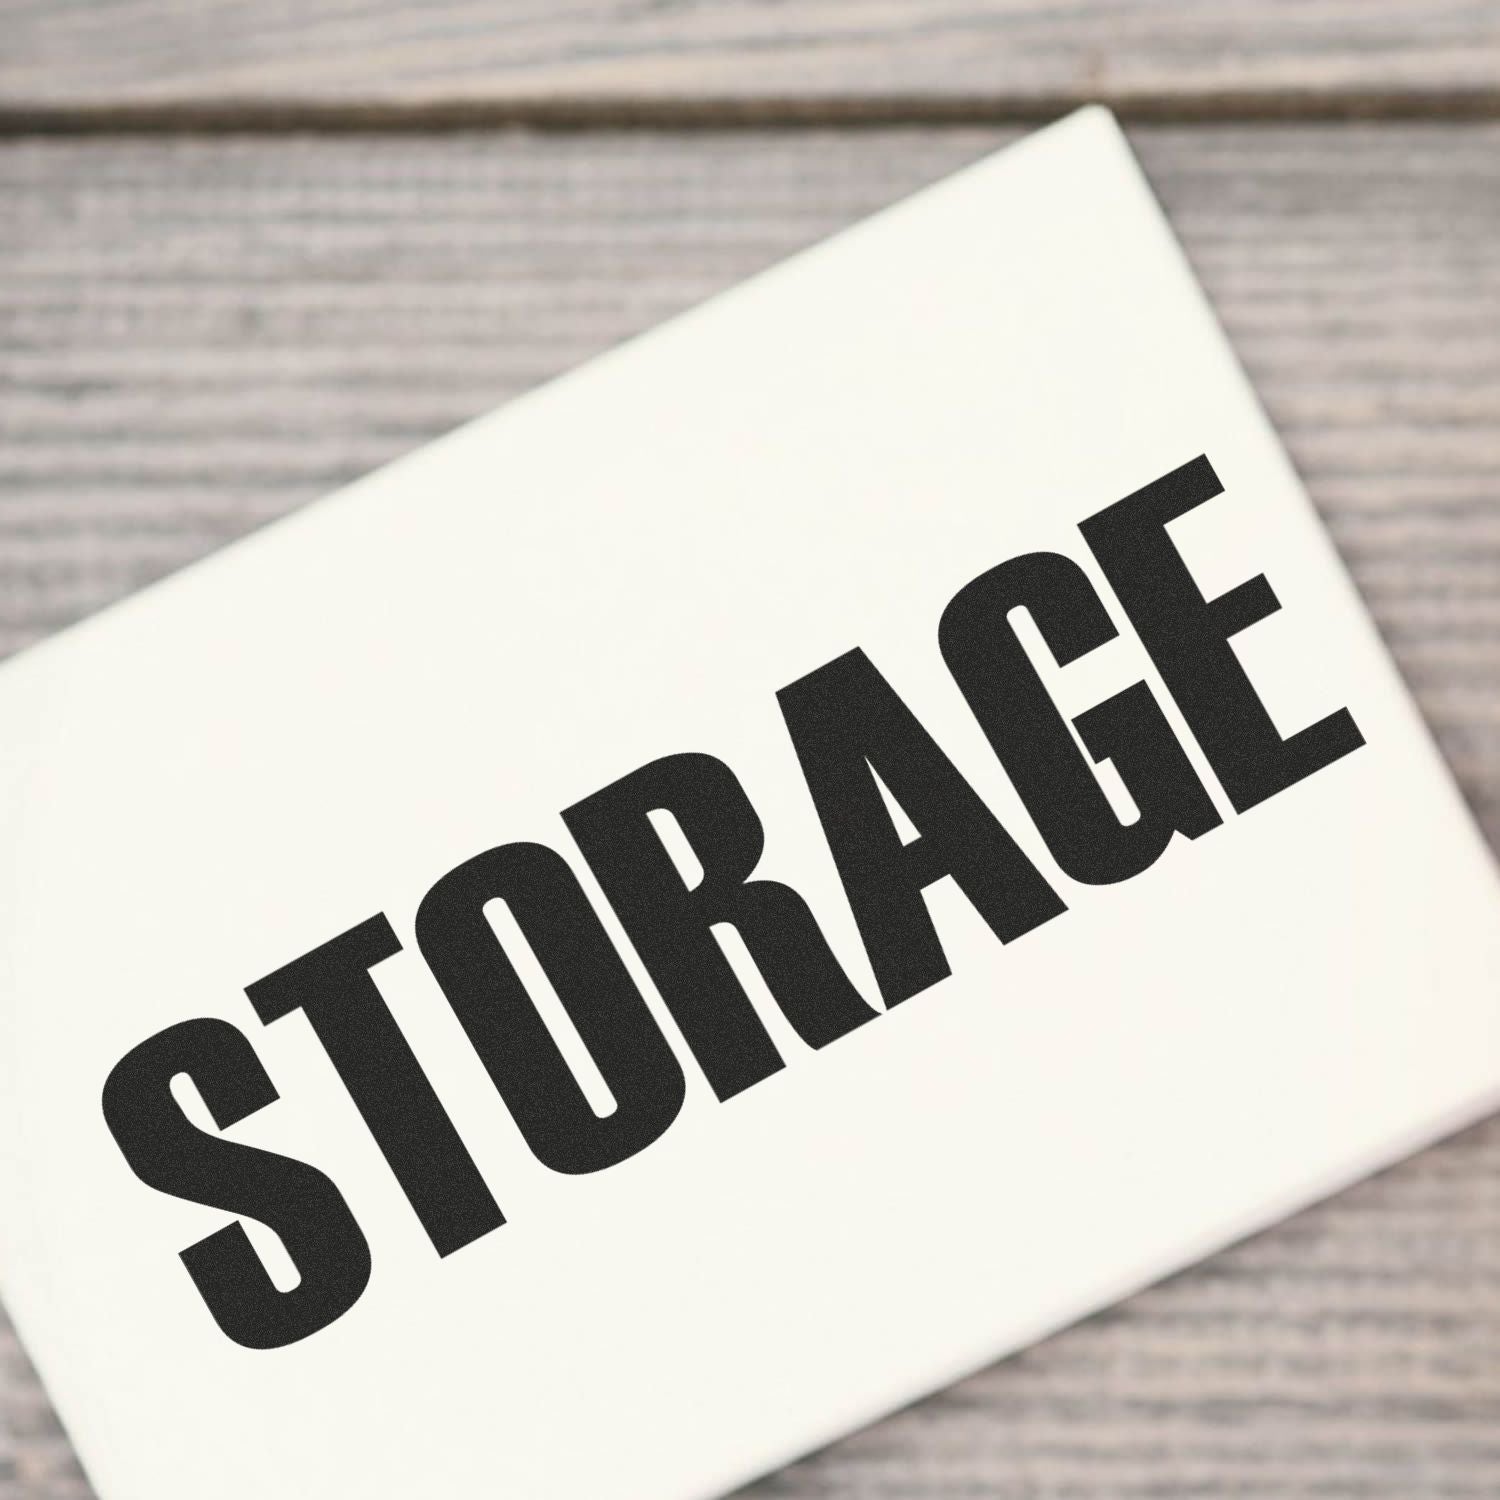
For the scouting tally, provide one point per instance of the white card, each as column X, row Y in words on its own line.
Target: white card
column 309, row 983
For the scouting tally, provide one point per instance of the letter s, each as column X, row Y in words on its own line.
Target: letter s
column 168, row 1152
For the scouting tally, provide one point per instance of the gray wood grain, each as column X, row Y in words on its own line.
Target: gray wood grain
column 260, row 59
column 198, row 336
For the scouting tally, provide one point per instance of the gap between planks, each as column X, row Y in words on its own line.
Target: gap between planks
column 270, row 116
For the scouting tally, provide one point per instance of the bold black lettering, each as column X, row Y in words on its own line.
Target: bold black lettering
column 849, row 726
column 1031, row 739
column 510, row 1036
column 1188, row 638
column 332, row 985
column 306, row 1211
column 671, row 923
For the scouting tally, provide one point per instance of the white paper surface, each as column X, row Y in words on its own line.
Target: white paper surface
column 203, row 784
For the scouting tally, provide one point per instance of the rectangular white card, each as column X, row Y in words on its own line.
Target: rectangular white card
column 1112, row 899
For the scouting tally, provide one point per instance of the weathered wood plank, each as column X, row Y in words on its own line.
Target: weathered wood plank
column 245, row 59
column 198, row 336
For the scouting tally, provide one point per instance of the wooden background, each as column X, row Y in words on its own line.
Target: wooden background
column 250, row 249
